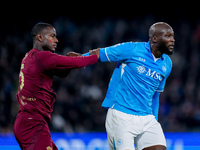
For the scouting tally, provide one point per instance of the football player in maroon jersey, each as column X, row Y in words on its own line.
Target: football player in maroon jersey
column 35, row 94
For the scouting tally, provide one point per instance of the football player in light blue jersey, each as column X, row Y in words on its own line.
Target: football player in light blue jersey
column 133, row 93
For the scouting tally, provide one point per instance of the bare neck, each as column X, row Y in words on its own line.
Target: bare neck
column 37, row 46
column 155, row 51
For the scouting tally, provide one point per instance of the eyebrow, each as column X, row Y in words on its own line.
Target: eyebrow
column 53, row 34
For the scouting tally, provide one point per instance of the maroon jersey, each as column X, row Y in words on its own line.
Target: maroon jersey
column 35, row 93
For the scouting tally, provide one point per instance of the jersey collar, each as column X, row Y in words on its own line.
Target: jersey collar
column 148, row 47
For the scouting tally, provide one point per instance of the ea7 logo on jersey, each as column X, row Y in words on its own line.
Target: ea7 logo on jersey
column 150, row 73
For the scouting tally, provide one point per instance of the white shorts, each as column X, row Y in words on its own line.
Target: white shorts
column 126, row 131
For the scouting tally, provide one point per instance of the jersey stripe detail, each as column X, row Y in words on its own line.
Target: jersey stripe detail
column 107, row 55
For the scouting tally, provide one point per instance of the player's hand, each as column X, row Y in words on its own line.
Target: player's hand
column 95, row 52
column 73, row 54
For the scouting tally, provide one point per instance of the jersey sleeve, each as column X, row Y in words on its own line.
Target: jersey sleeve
column 49, row 60
column 155, row 104
column 119, row 52
column 75, row 62
column 46, row 60
column 162, row 85
column 112, row 87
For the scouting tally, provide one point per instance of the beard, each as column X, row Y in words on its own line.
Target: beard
column 164, row 48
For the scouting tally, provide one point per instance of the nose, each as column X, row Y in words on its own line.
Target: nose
column 173, row 39
column 56, row 40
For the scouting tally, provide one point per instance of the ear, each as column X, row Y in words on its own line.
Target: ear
column 154, row 39
column 39, row 37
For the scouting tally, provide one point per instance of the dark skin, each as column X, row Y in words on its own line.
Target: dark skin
column 46, row 40
column 161, row 37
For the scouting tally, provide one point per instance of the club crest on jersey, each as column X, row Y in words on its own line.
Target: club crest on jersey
column 119, row 142
column 141, row 69
column 164, row 69
column 150, row 73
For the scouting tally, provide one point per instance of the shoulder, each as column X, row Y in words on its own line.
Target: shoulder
column 139, row 47
column 142, row 44
column 45, row 57
column 127, row 45
column 42, row 55
column 123, row 45
column 46, row 53
column 131, row 45
column 167, row 59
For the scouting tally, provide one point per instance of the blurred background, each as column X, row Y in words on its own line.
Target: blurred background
column 80, row 95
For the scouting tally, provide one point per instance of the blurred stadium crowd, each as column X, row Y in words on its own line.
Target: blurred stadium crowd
column 79, row 96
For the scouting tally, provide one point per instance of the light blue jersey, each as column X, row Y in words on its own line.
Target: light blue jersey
column 137, row 77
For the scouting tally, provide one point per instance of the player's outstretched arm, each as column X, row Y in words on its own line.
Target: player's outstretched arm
column 65, row 72
column 115, row 53
column 74, row 60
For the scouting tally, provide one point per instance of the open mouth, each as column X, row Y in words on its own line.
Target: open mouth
column 171, row 46
column 55, row 45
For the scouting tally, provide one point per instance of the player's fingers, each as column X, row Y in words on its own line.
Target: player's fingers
column 94, row 52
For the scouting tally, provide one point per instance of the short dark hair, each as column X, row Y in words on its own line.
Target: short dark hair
column 38, row 28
